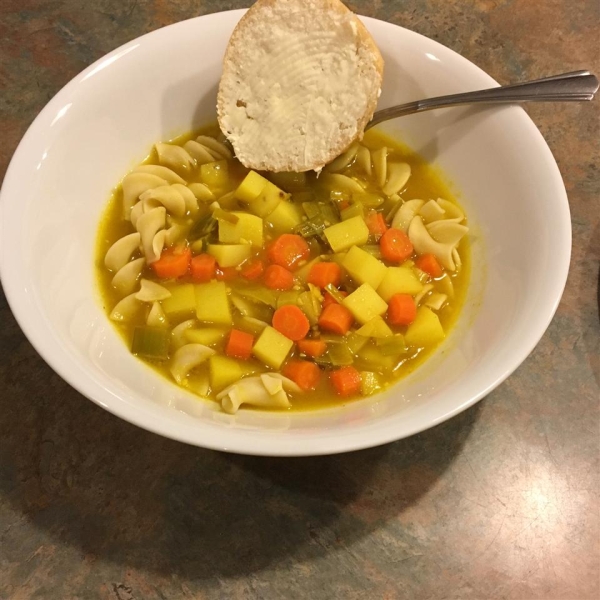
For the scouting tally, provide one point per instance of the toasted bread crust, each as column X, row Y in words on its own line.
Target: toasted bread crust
column 366, row 72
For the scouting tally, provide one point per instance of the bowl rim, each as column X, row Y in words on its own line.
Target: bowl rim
column 249, row 442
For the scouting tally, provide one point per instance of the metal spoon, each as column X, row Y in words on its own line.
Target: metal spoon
column 569, row 87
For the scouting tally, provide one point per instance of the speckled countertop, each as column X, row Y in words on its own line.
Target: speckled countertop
column 499, row 503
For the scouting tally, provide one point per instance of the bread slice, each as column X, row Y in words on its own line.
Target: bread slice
column 300, row 81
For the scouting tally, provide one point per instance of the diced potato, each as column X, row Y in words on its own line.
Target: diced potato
column 268, row 200
column 252, row 185
column 425, row 330
column 215, row 174
column 182, row 300
column 212, row 303
column 364, row 267
column 272, row 347
column 344, row 235
column 206, row 336
column 224, row 371
column 285, row 217
column 230, row 255
column 399, row 280
column 365, row 304
column 370, row 383
column 375, row 328
column 247, row 230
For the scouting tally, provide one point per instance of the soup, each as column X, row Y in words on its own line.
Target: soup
column 282, row 290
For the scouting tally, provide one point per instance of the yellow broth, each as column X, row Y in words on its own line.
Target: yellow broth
column 424, row 183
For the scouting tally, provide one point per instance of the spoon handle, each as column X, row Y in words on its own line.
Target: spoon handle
column 568, row 87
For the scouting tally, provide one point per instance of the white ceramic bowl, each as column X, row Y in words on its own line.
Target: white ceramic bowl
column 164, row 83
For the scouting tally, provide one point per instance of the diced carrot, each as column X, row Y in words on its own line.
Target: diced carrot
column 253, row 269
column 395, row 245
column 402, row 309
column 226, row 273
column 278, row 278
column 203, row 267
column 329, row 299
column 288, row 250
column 324, row 273
column 346, row 381
column 429, row 264
column 173, row 262
column 303, row 372
column 239, row 344
column 376, row 224
column 336, row 318
column 312, row 348
column 343, row 204
column 291, row 322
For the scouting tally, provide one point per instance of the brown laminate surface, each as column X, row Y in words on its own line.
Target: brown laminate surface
column 499, row 503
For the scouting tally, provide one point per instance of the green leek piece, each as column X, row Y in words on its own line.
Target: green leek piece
column 151, row 342
column 425, row 330
column 224, row 216
column 373, row 250
column 356, row 342
column 368, row 200
column 392, row 346
column 334, row 293
column 370, row 383
column 339, row 196
column 288, row 297
column 212, row 303
column 399, row 280
column 285, row 218
column 375, row 328
column 272, row 347
column 252, row 325
column 289, row 181
column 259, row 294
column 230, row 255
column 203, row 227
column 215, row 174
column 344, row 235
column 354, row 210
column 256, row 310
column 251, row 187
column 181, row 302
column 224, row 371
column 372, row 359
column 365, row 304
column 310, row 306
column 363, row 267
column 207, row 336
column 340, row 355
column 248, row 229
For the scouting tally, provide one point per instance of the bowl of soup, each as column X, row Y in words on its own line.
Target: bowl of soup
column 280, row 313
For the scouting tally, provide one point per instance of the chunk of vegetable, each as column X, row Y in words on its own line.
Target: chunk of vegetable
column 239, row 344
column 344, row 235
column 402, row 310
column 212, row 303
column 395, row 245
column 430, row 265
column 286, row 217
column 371, row 358
column 370, row 383
column 312, row 348
column 346, row 381
column 230, row 255
column 336, row 318
column 278, row 278
column 173, row 263
column 376, row 224
column 363, row 267
column 289, row 181
column 224, row 371
column 288, row 297
column 375, row 328
column 365, row 303
column 247, row 230
column 226, row 273
column 311, row 306
column 425, row 330
column 291, row 322
column 339, row 354
column 399, row 280
column 268, row 200
column 288, row 250
column 392, row 346
column 250, row 188
column 304, row 373
column 323, row 274
column 253, row 269
column 207, row 336
column 215, row 174
column 272, row 348
column 203, row 267
column 355, row 209
column 181, row 302
column 151, row 342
